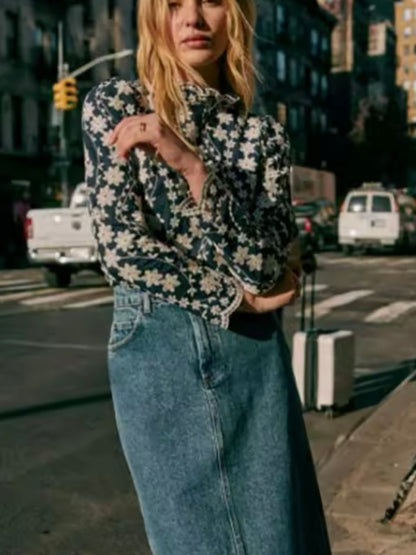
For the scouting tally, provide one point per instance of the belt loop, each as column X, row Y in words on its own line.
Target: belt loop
column 146, row 303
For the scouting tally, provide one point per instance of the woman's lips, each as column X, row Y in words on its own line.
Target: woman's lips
column 197, row 42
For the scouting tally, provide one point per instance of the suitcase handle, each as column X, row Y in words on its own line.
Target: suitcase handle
column 309, row 266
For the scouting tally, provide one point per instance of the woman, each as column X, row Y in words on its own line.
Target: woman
column 190, row 203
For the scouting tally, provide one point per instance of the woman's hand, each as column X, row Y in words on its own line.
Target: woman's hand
column 285, row 292
column 146, row 131
column 151, row 135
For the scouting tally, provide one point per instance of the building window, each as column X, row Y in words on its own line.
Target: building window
column 414, row 49
column 406, row 69
column 39, row 41
column 314, row 83
column 325, row 45
column 293, row 28
column 43, row 109
column 324, row 122
column 314, row 119
column 406, row 50
column 406, row 85
column 407, row 31
column 12, row 35
column 17, row 121
column 293, row 72
column 281, row 21
column 324, row 86
column 414, row 86
column 314, row 42
column 281, row 65
column 111, row 8
column 407, row 14
column 53, row 42
column 293, row 118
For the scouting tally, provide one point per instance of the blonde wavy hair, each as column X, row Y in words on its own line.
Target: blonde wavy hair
column 161, row 72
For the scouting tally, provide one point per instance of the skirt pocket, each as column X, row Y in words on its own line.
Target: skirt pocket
column 126, row 320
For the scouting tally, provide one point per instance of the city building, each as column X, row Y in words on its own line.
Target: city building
column 349, row 78
column 29, row 158
column 405, row 23
column 294, row 58
column 28, row 68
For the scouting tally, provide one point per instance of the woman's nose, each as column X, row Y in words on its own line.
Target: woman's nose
column 193, row 14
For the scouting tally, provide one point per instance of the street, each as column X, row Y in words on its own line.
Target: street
column 64, row 485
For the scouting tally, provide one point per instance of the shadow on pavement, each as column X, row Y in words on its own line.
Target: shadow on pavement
column 58, row 405
column 370, row 389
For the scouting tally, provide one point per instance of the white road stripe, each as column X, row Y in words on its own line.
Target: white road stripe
column 341, row 260
column 93, row 302
column 318, row 287
column 61, row 296
column 7, row 282
column 390, row 312
column 17, row 288
column 325, row 307
column 402, row 262
column 25, row 295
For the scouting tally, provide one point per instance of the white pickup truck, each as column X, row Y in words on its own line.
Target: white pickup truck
column 61, row 240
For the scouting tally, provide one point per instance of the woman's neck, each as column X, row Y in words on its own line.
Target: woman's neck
column 211, row 75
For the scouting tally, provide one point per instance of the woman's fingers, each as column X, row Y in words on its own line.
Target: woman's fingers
column 129, row 133
column 139, row 126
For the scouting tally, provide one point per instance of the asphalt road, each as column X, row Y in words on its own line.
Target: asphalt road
column 64, row 486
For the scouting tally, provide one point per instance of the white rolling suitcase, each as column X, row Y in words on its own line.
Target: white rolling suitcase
column 323, row 361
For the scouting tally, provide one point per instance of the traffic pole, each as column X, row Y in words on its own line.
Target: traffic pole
column 63, row 150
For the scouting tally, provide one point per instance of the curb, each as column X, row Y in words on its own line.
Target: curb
column 358, row 443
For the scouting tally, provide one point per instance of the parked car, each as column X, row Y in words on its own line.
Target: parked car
column 371, row 216
column 61, row 240
column 317, row 224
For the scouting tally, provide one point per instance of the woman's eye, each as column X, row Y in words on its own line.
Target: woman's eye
column 173, row 5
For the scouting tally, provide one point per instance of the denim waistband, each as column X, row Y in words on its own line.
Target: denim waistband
column 125, row 295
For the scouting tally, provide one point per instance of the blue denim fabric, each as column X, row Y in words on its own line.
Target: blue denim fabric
column 211, row 427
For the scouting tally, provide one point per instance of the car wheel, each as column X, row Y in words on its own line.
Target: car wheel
column 59, row 277
column 347, row 250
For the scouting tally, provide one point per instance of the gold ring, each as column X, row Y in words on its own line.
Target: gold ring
column 142, row 127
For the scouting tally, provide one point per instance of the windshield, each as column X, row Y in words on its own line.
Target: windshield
column 357, row 203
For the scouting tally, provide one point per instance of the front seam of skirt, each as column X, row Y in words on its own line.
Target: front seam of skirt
column 200, row 335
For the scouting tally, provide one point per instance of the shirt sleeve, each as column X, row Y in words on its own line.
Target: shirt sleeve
column 129, row 253
column 253, row 240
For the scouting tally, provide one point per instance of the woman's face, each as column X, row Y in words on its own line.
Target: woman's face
column 198, row 31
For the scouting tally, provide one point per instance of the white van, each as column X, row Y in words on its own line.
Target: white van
column 371, row 217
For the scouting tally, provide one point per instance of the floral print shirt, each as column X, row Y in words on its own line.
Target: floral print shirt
column 149, row 231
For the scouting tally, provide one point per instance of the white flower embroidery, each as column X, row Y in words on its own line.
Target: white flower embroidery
column 129, row 273
column 143, row 214
column 124, row 240
column 106, row 196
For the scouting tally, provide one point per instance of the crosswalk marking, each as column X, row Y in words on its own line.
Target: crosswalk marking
column 61, row 296
column 94, row 302
column 25, row 295
column 324, row 307
column 9, row 282
column 318, row 287
column 402, row 262
column 364, row 261
column 17, row 288
column 390, row 312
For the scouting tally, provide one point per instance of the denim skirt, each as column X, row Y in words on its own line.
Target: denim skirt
column 211, row 427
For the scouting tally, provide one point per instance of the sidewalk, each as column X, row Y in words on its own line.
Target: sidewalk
column 360, row 481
